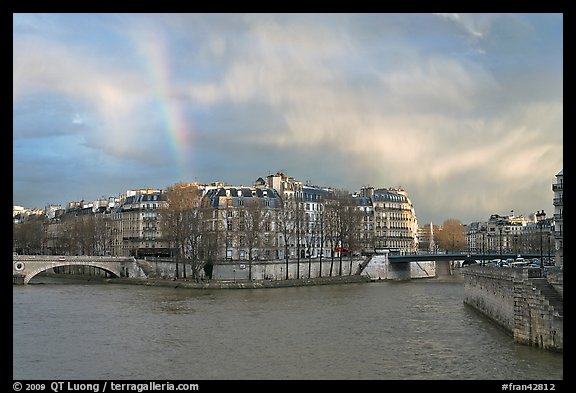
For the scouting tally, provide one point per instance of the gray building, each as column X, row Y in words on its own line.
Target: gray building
column 243, row 221
column 558, row 203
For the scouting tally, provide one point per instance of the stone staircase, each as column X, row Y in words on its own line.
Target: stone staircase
column 147, row 268
column 363, row 265
column 549, row 293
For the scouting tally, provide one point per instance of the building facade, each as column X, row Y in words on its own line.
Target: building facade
column 135, row 227
column 395, row 222
column 243, row 222
column 277, row 218
column 511, row 234
column 558, row 203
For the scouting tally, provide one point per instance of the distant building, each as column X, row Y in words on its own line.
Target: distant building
column 295, row 221
column 20, row 213
column 558, row 203
column 243, row 222
column 365, row 237
column 426, row 240
column 395, row 223
column 135, row 225
column 51, row 210
column 510, row 234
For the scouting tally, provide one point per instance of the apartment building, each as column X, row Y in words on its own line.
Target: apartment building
column 243, row 222
column 395, row 222
column 135, row 228
column 558, row 203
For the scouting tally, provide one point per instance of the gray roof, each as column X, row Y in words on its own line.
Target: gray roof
column 314, row 194
column 363, row 201
column 383, row 195
column 238, row 194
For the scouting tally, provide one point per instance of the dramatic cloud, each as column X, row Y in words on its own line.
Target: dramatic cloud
column 464, row 111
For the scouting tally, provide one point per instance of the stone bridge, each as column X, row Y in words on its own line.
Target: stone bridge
column 25, row 267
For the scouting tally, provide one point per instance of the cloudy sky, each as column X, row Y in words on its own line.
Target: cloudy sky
column 463, row 111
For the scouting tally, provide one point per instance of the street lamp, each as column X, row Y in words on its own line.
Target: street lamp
column 548, row 234
column 482, row 232
column 540, row 215
column 500, row 226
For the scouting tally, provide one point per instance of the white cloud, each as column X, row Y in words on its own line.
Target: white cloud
column 476, row 25
column 376, row 105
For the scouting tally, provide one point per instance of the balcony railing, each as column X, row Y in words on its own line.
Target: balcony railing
column 557, row 187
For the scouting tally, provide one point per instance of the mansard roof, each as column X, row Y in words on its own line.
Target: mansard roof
column 237, row 194
column 363, row 201
column 387, row 196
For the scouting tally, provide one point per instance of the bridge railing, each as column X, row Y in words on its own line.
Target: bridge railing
column 71, row 258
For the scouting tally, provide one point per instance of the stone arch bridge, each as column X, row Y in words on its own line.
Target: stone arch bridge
column 25, row 267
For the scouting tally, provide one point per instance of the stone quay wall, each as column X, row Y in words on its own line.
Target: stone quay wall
column 273, row 270
column 244, row 284
column 526, row 305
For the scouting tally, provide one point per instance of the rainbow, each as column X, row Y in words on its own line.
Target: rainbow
column 177, row 129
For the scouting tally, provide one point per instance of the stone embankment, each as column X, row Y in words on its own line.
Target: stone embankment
column 242, row 284
column 526, row 305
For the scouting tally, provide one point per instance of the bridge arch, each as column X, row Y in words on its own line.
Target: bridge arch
column 26, row 267
column 39, row 269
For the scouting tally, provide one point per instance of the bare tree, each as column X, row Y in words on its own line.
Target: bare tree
column 28, row 236
column 287, row 227
column 331, row 226
column 300, row 229
column 351, row 220
column 452, row 236
column 321, row 238
column 86, row 233
column 253, row 228
column 102, row 234
column 181, row 225
column 269, row 240
column 212, row 236
column 68, row 235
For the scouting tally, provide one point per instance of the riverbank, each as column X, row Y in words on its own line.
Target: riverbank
column 526, row 305
column 241, row 284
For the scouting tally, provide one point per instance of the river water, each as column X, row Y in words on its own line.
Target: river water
column 372, row 331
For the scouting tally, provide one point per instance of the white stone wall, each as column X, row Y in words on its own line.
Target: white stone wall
column 276, row 270
column 423, row 269
column 379, row 268
column 261, row 270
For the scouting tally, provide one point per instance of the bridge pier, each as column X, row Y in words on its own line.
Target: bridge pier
column 399, row 271
column 443, row 268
